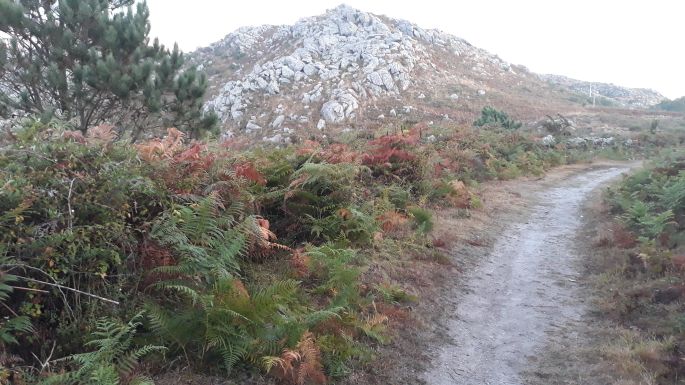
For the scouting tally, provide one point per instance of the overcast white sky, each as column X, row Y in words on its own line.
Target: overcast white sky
column 631, row 43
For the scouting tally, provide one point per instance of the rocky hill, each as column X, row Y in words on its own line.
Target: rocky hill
column 348, row 68
column 608, row 94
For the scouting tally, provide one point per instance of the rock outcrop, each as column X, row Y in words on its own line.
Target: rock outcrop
column 352, row 68
column 333, row 64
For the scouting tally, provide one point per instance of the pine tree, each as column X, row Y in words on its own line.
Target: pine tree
column 91, row 62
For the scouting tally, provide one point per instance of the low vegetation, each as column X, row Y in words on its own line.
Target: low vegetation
column 119, row 260
column 643, row 259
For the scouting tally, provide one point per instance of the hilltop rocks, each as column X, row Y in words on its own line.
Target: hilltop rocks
column 336, row 63
column 379, row 55
column 242, row 40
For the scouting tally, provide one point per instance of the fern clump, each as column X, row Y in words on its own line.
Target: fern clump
column 334, row 271
column 232, row 323
column 652, row 201
column 114, row 360
column 208, row 238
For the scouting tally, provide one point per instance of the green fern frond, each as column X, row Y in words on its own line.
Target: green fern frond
column 314, row 318
column 231, row 354
column 12, row 326
column 181, row 288
column 114, row 356
column 105, row 375
column 270, row 362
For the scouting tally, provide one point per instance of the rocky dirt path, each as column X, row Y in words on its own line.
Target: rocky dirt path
column 525, row 293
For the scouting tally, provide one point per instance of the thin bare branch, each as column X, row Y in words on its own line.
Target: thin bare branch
column 71, row 289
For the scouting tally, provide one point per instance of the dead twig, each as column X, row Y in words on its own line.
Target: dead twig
column 71, row 289
column 71, row 213
column 29, row 289
column 45, row 364
column 64, row 296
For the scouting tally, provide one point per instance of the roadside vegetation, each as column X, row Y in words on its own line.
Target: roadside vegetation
column 122, row 260
column 642, row 259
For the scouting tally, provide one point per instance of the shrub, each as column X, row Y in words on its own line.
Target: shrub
column 394, row 155
column 398, row 196
column 492, row 117
column 423, row 219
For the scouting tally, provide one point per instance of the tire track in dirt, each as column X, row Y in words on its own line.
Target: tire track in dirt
column 523, row 293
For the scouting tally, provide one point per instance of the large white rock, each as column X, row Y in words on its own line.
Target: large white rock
column 549, row 141
column 236, row 112
column 294, row 63
column 278, row 121
column 252, row 126
column 333, row 112
column 287, row 73
column 310, row 69
column 375, row 78
column 396, row 68
column 272, row 88
column 347, row 28
column 388, row 82
column 278, row 138
column 349, row 103
column 261, row 83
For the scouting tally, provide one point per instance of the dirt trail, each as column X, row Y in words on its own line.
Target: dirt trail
column 524, row 293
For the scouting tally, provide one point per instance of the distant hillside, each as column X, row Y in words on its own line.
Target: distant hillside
column 608, row 94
